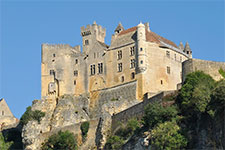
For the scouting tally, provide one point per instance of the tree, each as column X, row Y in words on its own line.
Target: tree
column 84, row 129
column 61, row 140
column 167, row 136
column 194, row 95
column 114, row 143
column 217, row 103
column 155, row 113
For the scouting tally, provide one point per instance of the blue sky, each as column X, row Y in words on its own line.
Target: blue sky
column 24, row 26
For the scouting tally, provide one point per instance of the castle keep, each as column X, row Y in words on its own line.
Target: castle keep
column 136, row 55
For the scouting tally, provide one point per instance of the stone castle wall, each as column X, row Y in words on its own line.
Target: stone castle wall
column 209, row 67
column 136, row 111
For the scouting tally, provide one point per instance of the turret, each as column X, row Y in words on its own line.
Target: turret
column 181, row 46
column 119, row 28
column 92, row 33
column 141, row 50
column 187, row 50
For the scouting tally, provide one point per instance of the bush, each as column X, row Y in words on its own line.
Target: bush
column 61, row 140
column 155, row 113
column 222, row 72
column 31, row 115
column 84, row 129
column 3, row 144
column 194, row 95
column 114, row 143
column 167, row 136
column 125, row 131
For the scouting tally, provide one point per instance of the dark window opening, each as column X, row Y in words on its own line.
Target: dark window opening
column 53, row 60
column 119, row 55
column 52, row 72
column 75, row 73
column 74, row 82
column 141, row 62
column 132, row 75
column 132, row 49
column 141, row 49
column 53, row 55
column 161, row 82
column 122, row 79
column 132, row 63
column 86, row 42
column 187, row 52
column 92, row 69
column 100, row 68
column 120, row 67
column 76, row 61
column 168, row 70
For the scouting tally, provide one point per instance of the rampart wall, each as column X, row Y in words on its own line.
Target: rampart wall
column 209, row 67
column 136, row 111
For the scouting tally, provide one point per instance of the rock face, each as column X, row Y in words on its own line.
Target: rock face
column 67, row 113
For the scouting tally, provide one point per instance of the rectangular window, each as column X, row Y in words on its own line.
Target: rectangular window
column 120, row 67
column 92, row 69
column 132, row 51
column 119, row 55
column 76, row 61
column 168, row 69
column 100, row 68
column 52, row 72
column 167, row 53
column 86, row 42
column 132, row 63
column 132, row 75
column 75, row 73
column 74, row 82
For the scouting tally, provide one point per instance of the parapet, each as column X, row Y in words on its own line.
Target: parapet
column 89, row 29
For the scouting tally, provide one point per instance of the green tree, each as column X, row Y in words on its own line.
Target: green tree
column 217, row 103
column 3, row 144
column 155, row 113
column 167, row 136
column 194, row 95
column 61, row 140
column 114, row 143
column 84, row 129
column 31, row 115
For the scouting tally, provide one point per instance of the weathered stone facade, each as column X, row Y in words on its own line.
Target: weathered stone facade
column 6, row 116
column 136, row 54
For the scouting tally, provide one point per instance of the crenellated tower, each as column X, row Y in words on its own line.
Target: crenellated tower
column 91, row 34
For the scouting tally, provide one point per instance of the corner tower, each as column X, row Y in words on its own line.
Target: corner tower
column 91, row 34
column 141, row 50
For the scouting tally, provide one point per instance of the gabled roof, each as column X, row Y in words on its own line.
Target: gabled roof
column 150, row 36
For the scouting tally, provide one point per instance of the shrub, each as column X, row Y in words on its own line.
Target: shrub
column 167, row 136
column 3, row 144
column 84, row 129
column 155, row 113
column 194, row 95
column 31, row 115
column 61, row 140
column 125, row 131
column 222, row 72
column 114, row 143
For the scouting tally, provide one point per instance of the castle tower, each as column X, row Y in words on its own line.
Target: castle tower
column 188, row 50
column 141, row 50
column 91, row 34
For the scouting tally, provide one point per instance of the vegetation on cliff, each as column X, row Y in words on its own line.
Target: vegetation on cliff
column 31, row 115
column 179, row 125
column 61, row 140
column 84, row 129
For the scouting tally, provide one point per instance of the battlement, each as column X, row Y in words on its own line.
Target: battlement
column 90, row 29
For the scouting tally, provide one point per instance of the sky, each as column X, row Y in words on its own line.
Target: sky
column 25, row 25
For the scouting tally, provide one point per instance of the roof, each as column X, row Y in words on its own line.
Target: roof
column 150, row 36
column 103, row 44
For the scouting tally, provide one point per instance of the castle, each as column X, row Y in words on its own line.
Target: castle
column 136, row 55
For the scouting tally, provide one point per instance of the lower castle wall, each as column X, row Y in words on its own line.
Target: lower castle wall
column 209, row 67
